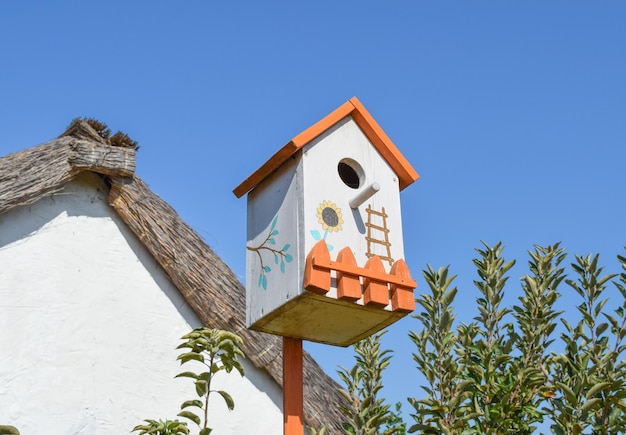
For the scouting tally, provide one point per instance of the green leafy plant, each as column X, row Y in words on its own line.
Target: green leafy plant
column 489, row 376
column 443, row 410
column 489, row 362
column 167, row 427
column 215, row 350
column 367, row 413
column 536, row 320
column 590, row 380
column 394, row 423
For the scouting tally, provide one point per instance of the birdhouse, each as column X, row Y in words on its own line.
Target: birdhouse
column 325, row 255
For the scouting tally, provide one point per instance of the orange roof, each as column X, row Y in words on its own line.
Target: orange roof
column 366, row 123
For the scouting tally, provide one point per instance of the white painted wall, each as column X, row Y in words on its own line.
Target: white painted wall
column 277, row 199
column 346, row 141
column 89, row 324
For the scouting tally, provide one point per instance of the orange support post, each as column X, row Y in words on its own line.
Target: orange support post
column 293, row 401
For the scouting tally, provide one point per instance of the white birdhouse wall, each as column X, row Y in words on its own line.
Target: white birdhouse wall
column 339, row 167
column 273, row 271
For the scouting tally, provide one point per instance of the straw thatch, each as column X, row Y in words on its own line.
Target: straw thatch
column 206, row 282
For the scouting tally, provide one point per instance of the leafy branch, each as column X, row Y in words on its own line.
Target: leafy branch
column 367, row 414
column 167, row 427
column 217, row 350
column 442, row 411
column 588, row 376
column 491, row 375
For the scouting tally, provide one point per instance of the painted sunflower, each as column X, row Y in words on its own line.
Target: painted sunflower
column 329, row 215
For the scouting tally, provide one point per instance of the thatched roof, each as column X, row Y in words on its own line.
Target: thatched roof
column 206, row 282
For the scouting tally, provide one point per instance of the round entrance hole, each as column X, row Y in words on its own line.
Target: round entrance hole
column 350, row 173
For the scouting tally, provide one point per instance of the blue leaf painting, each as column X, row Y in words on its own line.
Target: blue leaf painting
column 316, row 235
column 268, row 247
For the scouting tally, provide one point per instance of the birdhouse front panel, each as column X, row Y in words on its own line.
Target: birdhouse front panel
column 325, row 254
column 352, row 196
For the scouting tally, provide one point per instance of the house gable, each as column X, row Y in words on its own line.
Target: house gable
column 94, row 323
column 363, row 119
column 208, row 286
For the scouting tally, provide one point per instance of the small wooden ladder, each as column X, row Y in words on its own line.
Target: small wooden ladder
column 383, row 229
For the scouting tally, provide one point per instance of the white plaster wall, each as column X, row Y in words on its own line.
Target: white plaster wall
column 89, row 324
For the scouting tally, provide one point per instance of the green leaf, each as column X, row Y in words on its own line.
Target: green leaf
column 187, row 375
column 188, row 403
column 191, row 416
column 201, row 388
column 190, row 356
column 601, row 328
column 230, row 403
column 205, row 376
column 596, row 389
column 590, row 404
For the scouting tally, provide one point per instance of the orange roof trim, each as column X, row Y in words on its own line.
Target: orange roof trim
column 371, row 129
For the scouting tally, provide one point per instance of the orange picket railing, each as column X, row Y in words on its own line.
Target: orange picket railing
column 372, row 283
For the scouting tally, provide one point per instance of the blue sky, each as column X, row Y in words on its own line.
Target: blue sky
column 512, row 112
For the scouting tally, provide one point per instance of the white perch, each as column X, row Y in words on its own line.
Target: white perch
column 364, row 195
